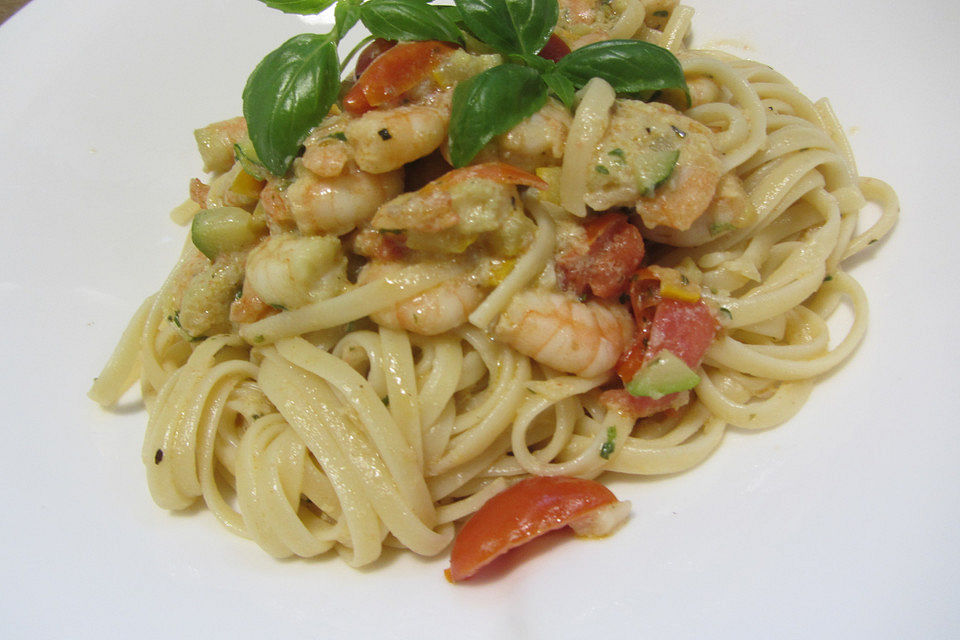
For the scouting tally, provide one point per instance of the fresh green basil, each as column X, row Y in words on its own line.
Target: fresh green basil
column 303, row 7
column 562, row 87
column 630, row 66
column 346, row 15
column 511, row 26
column 491, row 103
column 408, row 20
column 289, row 92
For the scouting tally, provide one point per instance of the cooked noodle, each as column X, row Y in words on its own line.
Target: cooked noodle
column 315, row 429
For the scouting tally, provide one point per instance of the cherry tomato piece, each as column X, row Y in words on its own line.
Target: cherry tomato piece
column 528, row 509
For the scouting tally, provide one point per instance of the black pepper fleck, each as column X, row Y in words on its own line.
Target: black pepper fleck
column 384, row 134
column 158, row 456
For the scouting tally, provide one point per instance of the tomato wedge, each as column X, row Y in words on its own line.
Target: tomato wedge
column 528, row 509
column 394, row 72
column 614, row 251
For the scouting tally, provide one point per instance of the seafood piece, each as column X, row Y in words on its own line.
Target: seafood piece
column 556, row 329
column 288, row 271
column 203, row 308
column 461, row 207
column 656, row 160
column 730, row 209
column 383, row 140
column 436, row 310
column 333, row 205
column 538, row 141
column 583, row 22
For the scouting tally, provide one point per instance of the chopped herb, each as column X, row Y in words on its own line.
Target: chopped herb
column 258, row 339
column 661, row 13
column 716, row 228
column 872, row 241
column 618, row 153
column 602, row 170
column 278, row 307
column 582, row 297
column 256, row 416
column 608, row 447
column 726, row 312
column 351, row 326
column 338, row 135
column 158, row 456
column 679, row 132
column 385, row 401
column 384, row 134
column 393, row 231
column 684, row 280
column 828, row 278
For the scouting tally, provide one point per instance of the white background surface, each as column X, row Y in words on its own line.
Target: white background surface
column 841, row 523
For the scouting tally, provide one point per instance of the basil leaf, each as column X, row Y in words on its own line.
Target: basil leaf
column 288, row 93
column 346, row 16
column 511, row 26
column 408, row 20
column 630, row 66
column 303, row 7
column 562, row 87
column 491, row 103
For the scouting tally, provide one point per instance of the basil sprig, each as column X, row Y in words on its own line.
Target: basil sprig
column 294, row 86
column 405, row 20
column 289, row 92
column 489, row 104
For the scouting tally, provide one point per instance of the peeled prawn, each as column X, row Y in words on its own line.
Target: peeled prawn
column 556, row 329
column 385, row 140
column 434, row 311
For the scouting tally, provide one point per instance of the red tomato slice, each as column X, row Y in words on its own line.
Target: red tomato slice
column 528, row 509
column 555, row 48
column 615, row 250
column 370, row 53
column 394, row 72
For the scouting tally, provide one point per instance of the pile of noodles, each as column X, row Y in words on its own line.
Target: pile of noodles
column 314, row 429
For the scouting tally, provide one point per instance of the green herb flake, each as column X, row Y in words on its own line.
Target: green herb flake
column 602, row 170
column 828, row 278
column 726, row 312
column 661, row 13
column 608, row 447
column 716, row 228
column 617, row 153
column 258, row 339
column 338, row 135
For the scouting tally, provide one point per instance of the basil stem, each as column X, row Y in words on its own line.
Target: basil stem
column 290, row 91
column 489, row 104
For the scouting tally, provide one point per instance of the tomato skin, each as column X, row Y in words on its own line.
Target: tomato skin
column 555, row 48
column 528, row 509
column 394, row 72
column 370, row 53
column 614, row 251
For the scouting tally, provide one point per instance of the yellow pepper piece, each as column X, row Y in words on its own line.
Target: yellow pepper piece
column 550, row 175
column 675, row 285
column 246, row 186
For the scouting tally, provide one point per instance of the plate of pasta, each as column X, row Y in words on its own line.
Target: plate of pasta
column 504, row 318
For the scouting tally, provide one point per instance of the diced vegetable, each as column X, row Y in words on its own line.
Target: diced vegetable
column 663, row 375
column 614, row 251
column 528, row 509
column 221, row 230
column 653, row 169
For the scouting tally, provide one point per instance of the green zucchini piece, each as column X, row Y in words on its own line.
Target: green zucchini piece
column 663, row 375
column 221, row 230
column 653, row 169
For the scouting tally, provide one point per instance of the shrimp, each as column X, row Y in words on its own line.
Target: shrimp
column 538, row 141
column 384, row 140
column 656, row 160
column 557, row 330
column 203, row 308
column 730, row 209
column 583, row 22
column 448, row 215
column 436, row 310
column 288, row 271
column 334, row 205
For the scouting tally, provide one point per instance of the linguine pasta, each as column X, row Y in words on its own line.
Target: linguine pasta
column 329, row 425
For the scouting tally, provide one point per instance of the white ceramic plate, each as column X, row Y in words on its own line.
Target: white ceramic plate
column 840, row 523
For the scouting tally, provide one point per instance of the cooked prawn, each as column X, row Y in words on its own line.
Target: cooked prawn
column 436, row 310
column 538, row 141
column 288, row 271
column 556, row 329
column 335, row 205
column 730, row 209
column 640, row 136
column 384, row 140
